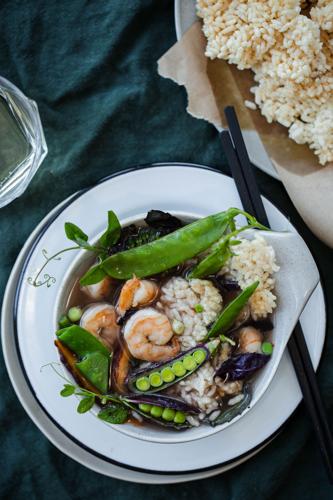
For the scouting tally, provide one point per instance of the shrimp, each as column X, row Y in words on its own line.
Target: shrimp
column 147, row 334
column 100, row 290
column 101, row 320
column 135, row 293
column 250, row 339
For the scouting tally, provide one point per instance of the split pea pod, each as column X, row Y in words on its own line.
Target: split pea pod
column 170, row 250
column 230, row 313
column 159, row 376
column 166, row 411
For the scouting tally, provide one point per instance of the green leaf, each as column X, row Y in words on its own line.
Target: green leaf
column 114, row 414
column 74, row 233
column 112, row 234
column 68, row 390
column 94, row 275
column 86, row 404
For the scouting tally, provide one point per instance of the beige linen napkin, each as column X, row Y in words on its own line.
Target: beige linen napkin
column 212, row 85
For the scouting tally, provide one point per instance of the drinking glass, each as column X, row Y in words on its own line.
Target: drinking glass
column 22, row 141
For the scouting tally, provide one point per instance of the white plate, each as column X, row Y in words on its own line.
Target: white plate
column 167, row 187
column 185, row 16
column 42, row 421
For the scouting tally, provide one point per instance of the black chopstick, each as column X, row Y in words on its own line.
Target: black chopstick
column 259, row 212
column 245, row 167
column 250, row 196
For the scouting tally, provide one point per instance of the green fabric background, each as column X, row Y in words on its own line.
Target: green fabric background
column 91, row 67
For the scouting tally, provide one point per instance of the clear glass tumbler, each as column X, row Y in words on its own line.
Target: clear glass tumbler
column 22, row 141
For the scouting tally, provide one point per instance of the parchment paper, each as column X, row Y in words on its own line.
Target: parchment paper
column 212, row 85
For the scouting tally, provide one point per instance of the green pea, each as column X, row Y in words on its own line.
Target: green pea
column 168, row 414
column 198, row 308
column 167, row 375
column 199, row 356
column 64, row 321
column 74, row 314
column 189, row 363
column 145, row 407
column 156, row 411
column 179, row 418
column 267, row 348
column 155, row 379
column 178, row 369
column 142, row 384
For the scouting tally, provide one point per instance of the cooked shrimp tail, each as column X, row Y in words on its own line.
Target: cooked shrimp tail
column 101, row 320
column 149, row 336
column 100, row 290
column 136, row 293
column 250, row 339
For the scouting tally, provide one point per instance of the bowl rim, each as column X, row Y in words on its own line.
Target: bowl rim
column 25, row 264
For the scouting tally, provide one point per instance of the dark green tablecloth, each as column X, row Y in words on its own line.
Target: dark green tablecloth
column 91, row 66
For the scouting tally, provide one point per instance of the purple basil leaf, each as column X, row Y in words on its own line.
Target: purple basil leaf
column 227, row 285
column 242, row 366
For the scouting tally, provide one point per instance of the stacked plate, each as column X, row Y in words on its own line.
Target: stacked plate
column 29, row 321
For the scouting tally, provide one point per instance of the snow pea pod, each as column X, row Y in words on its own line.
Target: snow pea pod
column 93, row 358
column 213, row 262
column 221, row 252
column 95, row 368
column 80, row 341
column 230, row 313
column 170, row 250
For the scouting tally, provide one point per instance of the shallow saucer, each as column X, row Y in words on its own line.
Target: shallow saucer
column 36, row 346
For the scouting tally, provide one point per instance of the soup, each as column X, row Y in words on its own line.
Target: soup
column 171, row 323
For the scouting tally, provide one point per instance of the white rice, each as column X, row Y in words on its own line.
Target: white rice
column 178, row 300
column 255, row 260
column 250, row 104
column 202, row 390
column 291, row 56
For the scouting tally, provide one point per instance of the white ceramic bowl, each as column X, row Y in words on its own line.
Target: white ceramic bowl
column 38, row 308
column 295, row 281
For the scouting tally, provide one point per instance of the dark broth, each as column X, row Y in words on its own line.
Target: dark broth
column 78, row 297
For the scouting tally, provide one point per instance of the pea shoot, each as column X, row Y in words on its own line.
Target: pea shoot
column 224, row 338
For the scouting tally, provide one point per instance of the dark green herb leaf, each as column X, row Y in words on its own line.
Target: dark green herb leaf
column 68, row 390
column 94, row 275
column 86, row 404
column 112, row 234
column 74, row 233
column 114, row 414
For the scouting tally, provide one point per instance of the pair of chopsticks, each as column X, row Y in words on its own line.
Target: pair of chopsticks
column 244, row 177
